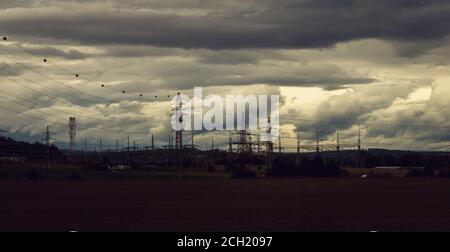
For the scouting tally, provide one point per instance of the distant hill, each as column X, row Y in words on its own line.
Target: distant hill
column 30, row 151
column 379, row 152
column 370, row 158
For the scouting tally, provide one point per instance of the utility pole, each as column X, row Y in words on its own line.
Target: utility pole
column 212, row 144
column 47, row 137
column 317, row 141
column 279, row 143
column 298, row 146
column 47, row 143
column 192, row 140
column 153, row 143
column 100, row 145
column 128, row 143
column 168, row 152
column 244, row 144
column 230, row 148
column 170, row 140
column 230, row 144
column 84, row 150
column 269, row 144
column 72, row 136
column 359, row 137
column 337, row 150
column 358, row 159
column 250, row 145
column 258, row 147
column 179, row 132
column 117, row 151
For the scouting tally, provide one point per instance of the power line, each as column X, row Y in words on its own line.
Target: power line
column 53, row 79
column 53, row 109
column 68, row 95
column 77, row 75
column 18, row 113
column 10, row 100
column 61, row 118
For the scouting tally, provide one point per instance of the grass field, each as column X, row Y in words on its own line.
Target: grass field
column 307, row 204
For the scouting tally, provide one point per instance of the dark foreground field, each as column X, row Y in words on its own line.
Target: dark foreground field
column 227, row 205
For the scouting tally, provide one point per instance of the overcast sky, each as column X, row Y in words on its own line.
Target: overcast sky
column 383, row 64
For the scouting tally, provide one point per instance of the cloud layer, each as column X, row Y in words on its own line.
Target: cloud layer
column 382, row 64
column 231, row 25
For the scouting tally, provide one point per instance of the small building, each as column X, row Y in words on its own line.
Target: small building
column 119, row 167
column 14, row 159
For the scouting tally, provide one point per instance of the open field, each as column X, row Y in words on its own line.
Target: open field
column 304, row 204
column 65, row 172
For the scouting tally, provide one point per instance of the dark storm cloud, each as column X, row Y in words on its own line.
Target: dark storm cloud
column 43, row 51
column 255, row 24
column 139, row 51
column 187, row 76
column 305, row 81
